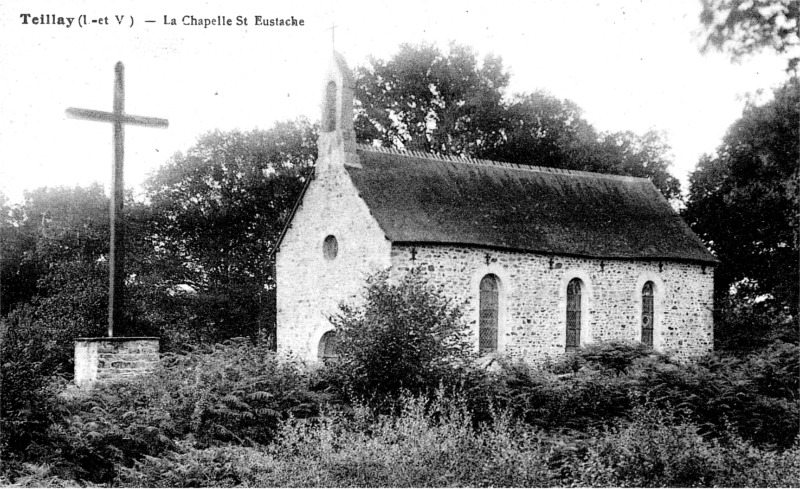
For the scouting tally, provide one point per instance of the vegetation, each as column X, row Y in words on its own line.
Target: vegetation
column 406, row 338
column 200, row 422
column 740, row 28
column 235, row 414
column 405, row 404
column 743, row 202
column 447, row 102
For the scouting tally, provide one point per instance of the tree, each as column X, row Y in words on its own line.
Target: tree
column 426, row 100
column 407, row 336
column 743, row 203
column 627, row 153
column 543, row 130
column 540, row 129
column 744, row 27
column 447, row 103
column 218, row 211
column 51, row 226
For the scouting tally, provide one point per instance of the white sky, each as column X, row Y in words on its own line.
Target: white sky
column 631, row 65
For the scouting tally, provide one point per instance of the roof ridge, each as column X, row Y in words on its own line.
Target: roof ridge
column 499, row 164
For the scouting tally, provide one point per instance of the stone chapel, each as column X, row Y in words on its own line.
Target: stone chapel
column 546, row 260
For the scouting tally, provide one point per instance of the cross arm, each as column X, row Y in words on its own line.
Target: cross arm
column 99, row 115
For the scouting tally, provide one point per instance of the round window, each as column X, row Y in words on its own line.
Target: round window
column 330, row 247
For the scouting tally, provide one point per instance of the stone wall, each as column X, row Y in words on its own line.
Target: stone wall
column 310, row 286
column 532, row 315
column 113, row 359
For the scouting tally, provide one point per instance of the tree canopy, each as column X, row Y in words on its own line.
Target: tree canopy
column 217, row 211
column 426, row 100
column 197, row 266
column 430, row 100
column 743, row 202
column 744, row 27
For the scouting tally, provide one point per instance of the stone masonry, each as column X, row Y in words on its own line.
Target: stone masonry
column 312, row 286
column 113, row 359
column 533, row 297
column 335, row 240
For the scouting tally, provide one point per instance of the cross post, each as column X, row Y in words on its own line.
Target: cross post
column 332, row 28
column 118, row 118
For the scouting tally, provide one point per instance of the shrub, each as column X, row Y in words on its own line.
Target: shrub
column 656, row 448
column 430, row 442
column 222, row 466
column 756, row 395
column 744, row 327
column 27, row 403
column 407, row 336
column 237, row 392
column 616, row 356
column 435, row 442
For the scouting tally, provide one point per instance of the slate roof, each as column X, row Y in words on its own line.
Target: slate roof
column 422, row 198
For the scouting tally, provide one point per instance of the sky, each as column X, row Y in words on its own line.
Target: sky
column 631, row 65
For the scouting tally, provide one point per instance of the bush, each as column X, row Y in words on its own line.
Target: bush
column 616, row 356
column 755, row 397
column 428, row 443
column 237, row 392
column 743, row 327
column 435, row 442
column 406, row 337
column 28, row 386
column 657, row 449
column 223, row 466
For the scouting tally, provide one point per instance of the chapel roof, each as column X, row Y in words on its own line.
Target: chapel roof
column 424, row 198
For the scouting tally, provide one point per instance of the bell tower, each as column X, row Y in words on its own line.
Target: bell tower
column 336, row 146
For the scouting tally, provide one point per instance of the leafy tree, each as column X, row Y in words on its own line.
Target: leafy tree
column 744, row 27
column 218, row 211
column 540, row 129
column 407, row 335
column 424, row 99
column 52, row 225
column 627, row 153
column 743, row 202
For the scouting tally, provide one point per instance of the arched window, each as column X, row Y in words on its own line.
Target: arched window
column 330, row 247
column 328, row 346
column 329, row 116
column 648, row 315
column 573, row 315
column 489, row 313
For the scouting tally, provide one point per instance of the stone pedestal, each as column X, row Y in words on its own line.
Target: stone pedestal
column 113, row 359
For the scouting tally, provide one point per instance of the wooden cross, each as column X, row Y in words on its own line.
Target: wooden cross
column 118, row 118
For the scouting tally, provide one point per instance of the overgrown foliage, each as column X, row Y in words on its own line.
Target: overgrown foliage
column 407, row 336
column 757, row 397
column 743, row 203
column 236, row 393
column 437, row 443
column 612, row 414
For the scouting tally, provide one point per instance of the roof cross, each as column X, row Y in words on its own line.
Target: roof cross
column 332, row 28
column 118, row 118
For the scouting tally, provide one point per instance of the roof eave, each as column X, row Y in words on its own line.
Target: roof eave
column 288, row 224
column 712, row 261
